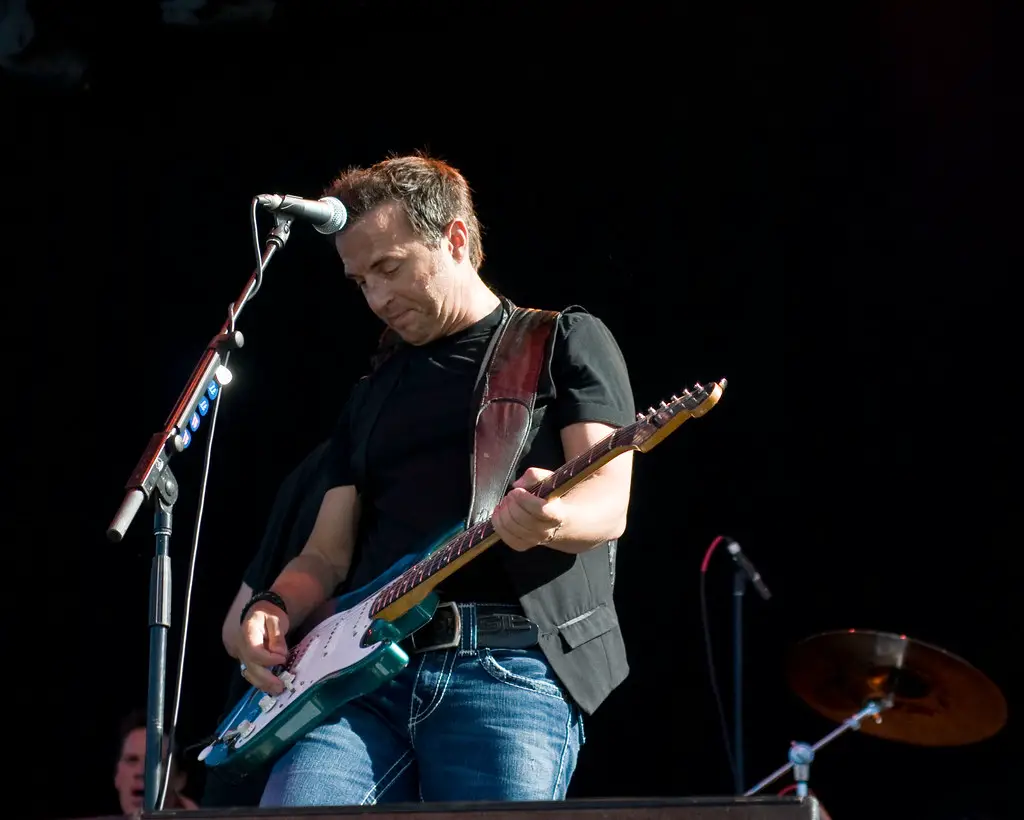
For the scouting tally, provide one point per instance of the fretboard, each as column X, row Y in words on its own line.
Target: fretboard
column 422, row 571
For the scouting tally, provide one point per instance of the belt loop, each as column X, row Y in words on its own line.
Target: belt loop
column 468, row 627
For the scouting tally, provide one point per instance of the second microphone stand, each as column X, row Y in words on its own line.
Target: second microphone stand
column 739, row 587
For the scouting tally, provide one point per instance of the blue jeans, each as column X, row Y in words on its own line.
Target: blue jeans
column 454, row 725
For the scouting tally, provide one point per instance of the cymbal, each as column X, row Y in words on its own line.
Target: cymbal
column 937, row 698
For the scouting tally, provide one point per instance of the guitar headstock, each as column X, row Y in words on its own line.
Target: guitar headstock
column 658, row 422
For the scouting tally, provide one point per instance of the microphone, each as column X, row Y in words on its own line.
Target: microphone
column 327, row 214
column 744, row 563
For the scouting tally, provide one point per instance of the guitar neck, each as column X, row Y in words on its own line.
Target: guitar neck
column 413, row 585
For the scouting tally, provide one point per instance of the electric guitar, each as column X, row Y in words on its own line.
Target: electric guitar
column 355, row 649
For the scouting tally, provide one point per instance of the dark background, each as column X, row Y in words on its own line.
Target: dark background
column 803, row 202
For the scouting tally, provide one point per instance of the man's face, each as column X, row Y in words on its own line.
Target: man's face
column 410, row 286
column 130, row 775
column 129, row 779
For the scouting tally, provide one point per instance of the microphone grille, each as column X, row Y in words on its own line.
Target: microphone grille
column 339, row 216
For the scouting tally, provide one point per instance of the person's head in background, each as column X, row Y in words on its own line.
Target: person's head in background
column 130, row 771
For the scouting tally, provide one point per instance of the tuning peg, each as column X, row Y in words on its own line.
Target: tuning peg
column 674, row 398
column 663, row 405
column 640, row 416
column 651, row 411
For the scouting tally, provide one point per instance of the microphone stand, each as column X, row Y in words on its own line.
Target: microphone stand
column 153, row 482
column 739, row 586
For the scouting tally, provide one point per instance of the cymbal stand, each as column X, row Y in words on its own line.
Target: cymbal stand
column 801, row 755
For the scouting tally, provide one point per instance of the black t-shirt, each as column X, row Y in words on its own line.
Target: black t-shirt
column 419, row 452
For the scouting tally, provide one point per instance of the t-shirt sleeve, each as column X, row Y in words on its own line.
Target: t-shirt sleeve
column 265, row 560
column 338, row 467
column 291, row 519
column 589, row 373
column 274, row 546
column 334, row 467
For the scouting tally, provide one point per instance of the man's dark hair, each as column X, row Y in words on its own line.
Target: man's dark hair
column 137, row 718
column 431, row 192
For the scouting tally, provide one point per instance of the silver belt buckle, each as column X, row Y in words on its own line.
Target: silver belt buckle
column 455, row 642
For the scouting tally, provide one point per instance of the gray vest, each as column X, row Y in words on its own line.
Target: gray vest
column 568, row 596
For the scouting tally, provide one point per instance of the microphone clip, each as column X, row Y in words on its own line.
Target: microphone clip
column 747, row 569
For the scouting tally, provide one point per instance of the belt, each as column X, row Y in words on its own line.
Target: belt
column 469, row 627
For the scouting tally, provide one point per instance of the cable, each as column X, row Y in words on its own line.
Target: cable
column 232, row 313
column 710, row 655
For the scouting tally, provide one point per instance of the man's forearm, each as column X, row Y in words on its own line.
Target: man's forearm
column 305, row 583
column 593, row 514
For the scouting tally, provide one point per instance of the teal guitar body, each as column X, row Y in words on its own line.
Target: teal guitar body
column 346, row 654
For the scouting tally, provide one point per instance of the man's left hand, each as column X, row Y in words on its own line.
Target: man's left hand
column 523, row 520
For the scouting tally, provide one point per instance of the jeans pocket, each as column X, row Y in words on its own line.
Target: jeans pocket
column 522, row 668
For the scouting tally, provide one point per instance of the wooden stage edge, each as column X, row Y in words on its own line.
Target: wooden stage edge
column 689, row 808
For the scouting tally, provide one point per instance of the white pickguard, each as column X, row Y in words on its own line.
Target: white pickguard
column 333, row 645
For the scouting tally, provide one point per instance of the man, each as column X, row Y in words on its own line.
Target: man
column 130, row 772
column 491, row 719
column 288, row 527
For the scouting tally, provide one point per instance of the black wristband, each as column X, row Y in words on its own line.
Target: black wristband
column 267, row 595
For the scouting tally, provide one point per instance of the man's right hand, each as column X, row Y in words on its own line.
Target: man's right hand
column 262, row 644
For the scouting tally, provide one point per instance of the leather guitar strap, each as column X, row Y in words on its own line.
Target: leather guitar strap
column 506, row 406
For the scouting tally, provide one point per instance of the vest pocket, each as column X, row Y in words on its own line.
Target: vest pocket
column 593, row 624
